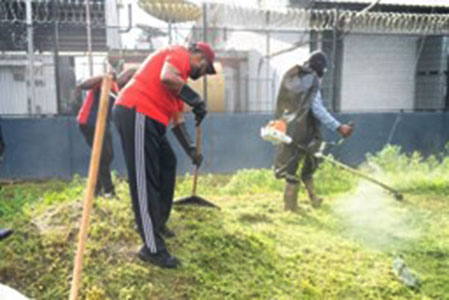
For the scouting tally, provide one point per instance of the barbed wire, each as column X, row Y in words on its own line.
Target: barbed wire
column 50, row 11
column 395, row 22
column 74, row 12
column 325, row 19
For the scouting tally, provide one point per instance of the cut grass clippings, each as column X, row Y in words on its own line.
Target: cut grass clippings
column 251, row 249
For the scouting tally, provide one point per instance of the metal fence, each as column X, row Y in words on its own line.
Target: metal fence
column 379, row 61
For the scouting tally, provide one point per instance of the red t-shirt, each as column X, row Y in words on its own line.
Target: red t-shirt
column 145, row 91
column 89, row 110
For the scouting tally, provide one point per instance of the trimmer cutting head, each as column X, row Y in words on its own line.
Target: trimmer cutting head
column 398, row 196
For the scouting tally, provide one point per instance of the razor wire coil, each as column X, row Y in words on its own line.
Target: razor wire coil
column 50, row 11
column 348, row 20
column 74, row 12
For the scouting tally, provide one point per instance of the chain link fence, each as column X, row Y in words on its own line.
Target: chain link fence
column 380, row 61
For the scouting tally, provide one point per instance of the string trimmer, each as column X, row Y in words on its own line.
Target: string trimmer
column 275, row 132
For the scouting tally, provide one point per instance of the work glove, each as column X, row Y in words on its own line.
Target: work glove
column 185, row 140
column 200, row 111
column 197, row 158
column 346, row 130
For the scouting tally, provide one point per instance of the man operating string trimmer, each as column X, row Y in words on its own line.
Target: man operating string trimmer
column 300, row 111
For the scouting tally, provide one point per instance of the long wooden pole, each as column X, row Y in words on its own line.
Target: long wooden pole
column 198, row 151
column 91, row 183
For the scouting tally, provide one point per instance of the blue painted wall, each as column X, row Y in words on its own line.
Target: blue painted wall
column 54, row 147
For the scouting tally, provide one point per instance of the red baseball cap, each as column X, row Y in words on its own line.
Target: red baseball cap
column 210, row 55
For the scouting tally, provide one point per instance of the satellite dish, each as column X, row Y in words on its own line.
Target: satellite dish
column 172, row 11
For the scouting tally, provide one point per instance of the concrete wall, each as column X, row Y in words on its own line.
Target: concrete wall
column 54, row 147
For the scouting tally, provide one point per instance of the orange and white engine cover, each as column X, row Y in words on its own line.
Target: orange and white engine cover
column 276, row 132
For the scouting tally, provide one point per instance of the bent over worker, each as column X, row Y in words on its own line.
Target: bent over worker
column 87, row 119
column 152, row 99
column 299, row 104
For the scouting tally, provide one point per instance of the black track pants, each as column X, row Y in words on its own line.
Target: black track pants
column 104, row 181
column 151, row 165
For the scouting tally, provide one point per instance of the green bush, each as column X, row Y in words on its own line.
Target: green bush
column 411, row 173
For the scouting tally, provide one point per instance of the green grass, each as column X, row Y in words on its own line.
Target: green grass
column 250, row 249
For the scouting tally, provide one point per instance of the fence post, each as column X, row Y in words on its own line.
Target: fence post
column 205, row 39
column 56, row 58
column 31, row 88
column 334, row 82
column 89, row 38
column 170, row 29
column 267, row 73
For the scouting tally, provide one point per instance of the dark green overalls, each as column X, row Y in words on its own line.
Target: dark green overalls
column 299, row 87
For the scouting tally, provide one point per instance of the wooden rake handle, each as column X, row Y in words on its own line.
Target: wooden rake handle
column 91, row 183
column 198, row 151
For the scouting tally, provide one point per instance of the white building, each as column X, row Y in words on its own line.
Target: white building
column 389, row 58
column 58, row 30
column 396, row 64
column 392, row 57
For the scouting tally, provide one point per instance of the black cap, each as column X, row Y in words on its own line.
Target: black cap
column 318, row 62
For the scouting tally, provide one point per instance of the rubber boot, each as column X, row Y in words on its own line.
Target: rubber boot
column 291, row 196
column 310, row 188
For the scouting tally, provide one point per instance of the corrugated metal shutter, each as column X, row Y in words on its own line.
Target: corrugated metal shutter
column 46, row 87
column 13, row 96
column 431, row 74
column 13, row 86
column 378, row 73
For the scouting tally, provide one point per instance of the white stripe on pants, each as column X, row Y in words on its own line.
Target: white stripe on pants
column 141, row 180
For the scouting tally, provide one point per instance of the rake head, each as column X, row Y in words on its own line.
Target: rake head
column 195, row 200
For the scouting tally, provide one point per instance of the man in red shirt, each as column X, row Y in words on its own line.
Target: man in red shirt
column 87, row 119
column 150, row 101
